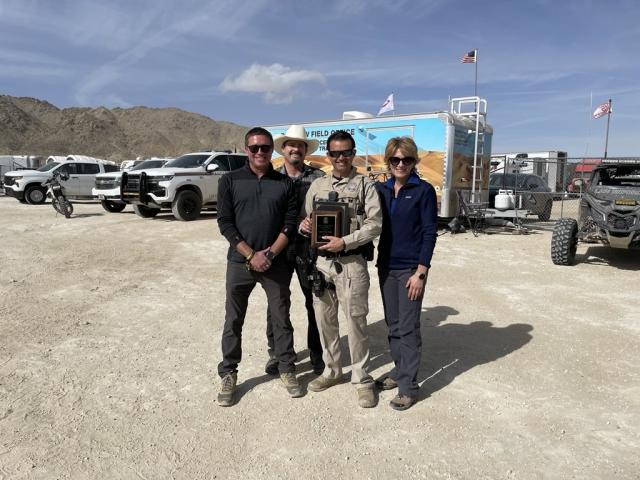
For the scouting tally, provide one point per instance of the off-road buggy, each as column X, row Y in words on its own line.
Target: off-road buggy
column 609, row 212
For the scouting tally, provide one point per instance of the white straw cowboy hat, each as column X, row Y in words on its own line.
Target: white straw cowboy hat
column 295, row 132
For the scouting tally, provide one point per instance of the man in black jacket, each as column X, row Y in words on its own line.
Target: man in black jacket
column 257, row 214
column 294, row 146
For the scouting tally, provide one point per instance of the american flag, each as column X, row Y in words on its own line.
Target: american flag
column 469, row 57
column 602, row 110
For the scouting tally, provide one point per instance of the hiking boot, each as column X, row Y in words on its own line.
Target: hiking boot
column 322, row 383
column 316, row 362
column 402, row 402
column 386, row 383
column 271, row 368
column 291, row 384
column 367, row 397
column 227, row 390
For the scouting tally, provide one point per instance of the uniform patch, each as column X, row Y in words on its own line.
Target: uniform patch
column 351, row 187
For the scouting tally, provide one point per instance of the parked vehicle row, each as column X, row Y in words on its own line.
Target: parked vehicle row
column 28, row 185
column 107, row 185
column 185, row 185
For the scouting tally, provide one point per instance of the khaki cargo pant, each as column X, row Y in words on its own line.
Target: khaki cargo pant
column 352, row 294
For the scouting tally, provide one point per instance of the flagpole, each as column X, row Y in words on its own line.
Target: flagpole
column 475, row 90
column 606, row 141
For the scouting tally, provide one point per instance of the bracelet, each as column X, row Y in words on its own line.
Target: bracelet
column 250, row 256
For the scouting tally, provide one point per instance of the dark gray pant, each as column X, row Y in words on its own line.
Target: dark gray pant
column 403, row 321
column 313, row 335
column 239, row 284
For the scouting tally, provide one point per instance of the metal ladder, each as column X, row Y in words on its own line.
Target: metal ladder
column 479, row 117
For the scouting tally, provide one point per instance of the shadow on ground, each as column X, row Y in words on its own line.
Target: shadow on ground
column 450, row 349
column 613, row 257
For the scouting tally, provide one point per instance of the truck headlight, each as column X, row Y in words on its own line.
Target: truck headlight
column 17, row 178
column 162, row 178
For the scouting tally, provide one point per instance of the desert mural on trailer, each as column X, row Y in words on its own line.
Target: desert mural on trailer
column 431, row 132
column 371, row 137
column 430, row 168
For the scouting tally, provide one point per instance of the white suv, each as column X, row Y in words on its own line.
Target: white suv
column 107, row 186
column 26, row 185
column 185, row 185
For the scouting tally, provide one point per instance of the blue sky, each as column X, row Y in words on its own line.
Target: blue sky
column 270, row 62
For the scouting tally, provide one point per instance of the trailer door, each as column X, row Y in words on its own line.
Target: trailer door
column 376, row 142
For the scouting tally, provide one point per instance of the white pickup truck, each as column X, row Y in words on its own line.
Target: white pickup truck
column 107, row 186
column 185, row 185
column 26, row 185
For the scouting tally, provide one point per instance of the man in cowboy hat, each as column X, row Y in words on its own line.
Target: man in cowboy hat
column 294, row 146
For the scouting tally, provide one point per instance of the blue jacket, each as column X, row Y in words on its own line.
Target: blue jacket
column 409, row 224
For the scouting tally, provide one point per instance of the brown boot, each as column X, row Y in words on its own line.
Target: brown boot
column 402, row 402
column 367, row 397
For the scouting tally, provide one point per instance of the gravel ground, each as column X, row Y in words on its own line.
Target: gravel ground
column 110, row 331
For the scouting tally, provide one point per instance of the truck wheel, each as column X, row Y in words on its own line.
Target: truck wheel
column 112, row 207
column 145, row 212
column 564, row 241
column 35, row 195
column 546, row 213
column 186, row 206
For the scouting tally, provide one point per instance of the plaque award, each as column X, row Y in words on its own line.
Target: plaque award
column 325, row 223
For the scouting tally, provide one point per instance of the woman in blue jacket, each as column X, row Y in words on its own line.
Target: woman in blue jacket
column 409, row 232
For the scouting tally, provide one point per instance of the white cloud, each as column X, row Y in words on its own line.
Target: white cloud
column 277, row 82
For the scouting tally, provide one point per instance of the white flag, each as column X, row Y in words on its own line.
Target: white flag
column 602, row 110
column 387, row 105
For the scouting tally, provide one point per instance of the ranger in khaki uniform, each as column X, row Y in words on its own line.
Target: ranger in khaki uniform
column 343, row 264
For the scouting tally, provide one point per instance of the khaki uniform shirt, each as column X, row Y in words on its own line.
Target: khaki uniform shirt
column 354, row 187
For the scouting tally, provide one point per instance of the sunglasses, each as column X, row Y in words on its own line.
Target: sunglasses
column 262, row 148
column 395, row 161
column 345, row 153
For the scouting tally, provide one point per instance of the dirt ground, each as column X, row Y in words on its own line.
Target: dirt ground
column 110, row 331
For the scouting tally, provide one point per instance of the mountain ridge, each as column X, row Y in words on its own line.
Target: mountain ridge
column 31, row 126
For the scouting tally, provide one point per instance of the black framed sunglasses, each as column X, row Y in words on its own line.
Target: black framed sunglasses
column 345, row 153
column 395, row 161
column 262, row 148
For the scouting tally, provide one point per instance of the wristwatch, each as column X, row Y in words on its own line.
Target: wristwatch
column 269, row 255
column 422, row 276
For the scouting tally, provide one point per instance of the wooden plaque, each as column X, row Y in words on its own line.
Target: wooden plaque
column 325, row 223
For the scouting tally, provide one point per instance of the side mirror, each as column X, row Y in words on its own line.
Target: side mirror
column 212, row 167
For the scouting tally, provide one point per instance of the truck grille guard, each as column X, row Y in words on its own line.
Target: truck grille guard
column 133, row 186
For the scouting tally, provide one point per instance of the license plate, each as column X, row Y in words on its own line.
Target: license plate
column 101, row 197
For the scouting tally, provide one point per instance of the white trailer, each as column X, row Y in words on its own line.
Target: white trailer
column 446, row 141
